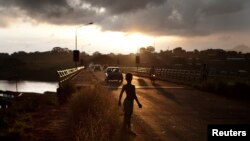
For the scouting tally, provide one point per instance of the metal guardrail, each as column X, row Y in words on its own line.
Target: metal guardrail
column 67, row 74
column 182, row 75
column 166, row 74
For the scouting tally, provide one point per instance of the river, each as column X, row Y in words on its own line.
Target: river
column 28, row 86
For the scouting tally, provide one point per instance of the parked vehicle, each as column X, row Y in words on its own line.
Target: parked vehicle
column 113, row 73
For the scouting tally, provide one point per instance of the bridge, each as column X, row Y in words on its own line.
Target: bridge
column 171, row 111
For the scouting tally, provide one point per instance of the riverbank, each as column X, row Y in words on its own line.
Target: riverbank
column 91, row 113
column 18, row 121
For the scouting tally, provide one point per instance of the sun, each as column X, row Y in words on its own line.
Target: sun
column 135, row 41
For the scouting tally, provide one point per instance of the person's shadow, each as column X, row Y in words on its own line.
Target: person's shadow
column 166, row 93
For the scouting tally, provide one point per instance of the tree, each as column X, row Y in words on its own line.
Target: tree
column 14, row 66
column 142, row 50
column 150, row 49
column 179, row 51
column 196, row 51
column 60, row 50
column 97, row 53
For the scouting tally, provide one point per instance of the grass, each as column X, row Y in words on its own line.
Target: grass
column 15, row 121
column 65, row 92
column 93, row 115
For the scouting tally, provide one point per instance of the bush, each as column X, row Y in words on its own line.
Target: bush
column 64, row 92
column 93, row 115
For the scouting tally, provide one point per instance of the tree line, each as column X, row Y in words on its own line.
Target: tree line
column 43, row 65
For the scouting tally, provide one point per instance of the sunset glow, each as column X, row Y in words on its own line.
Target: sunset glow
column 90, row 38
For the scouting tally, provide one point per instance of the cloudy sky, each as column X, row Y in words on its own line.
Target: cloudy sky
column 123, row 26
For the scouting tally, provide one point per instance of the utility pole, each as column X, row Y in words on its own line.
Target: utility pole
column 76, row 53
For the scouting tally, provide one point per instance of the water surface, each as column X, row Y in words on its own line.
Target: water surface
column 28, row 86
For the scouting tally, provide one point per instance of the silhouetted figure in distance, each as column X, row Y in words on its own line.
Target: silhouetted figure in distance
column 128, row 102
column 152, row 71
column 204, row 72
column 152, row 74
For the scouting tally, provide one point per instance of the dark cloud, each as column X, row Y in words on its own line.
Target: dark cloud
column 186, row 18
column 123, row 6
column 50, row 11
column 158, row 17
column 36, row 7
column 219, row 7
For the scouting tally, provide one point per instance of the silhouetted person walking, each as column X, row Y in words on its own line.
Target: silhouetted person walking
column 129, row 101
column 204, row 72
column 152, row 71
column 152, row 74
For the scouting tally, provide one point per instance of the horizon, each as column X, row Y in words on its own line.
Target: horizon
column 126, row 53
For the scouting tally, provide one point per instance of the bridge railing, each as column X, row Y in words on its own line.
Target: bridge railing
column 194, row 76
column 67, row 74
